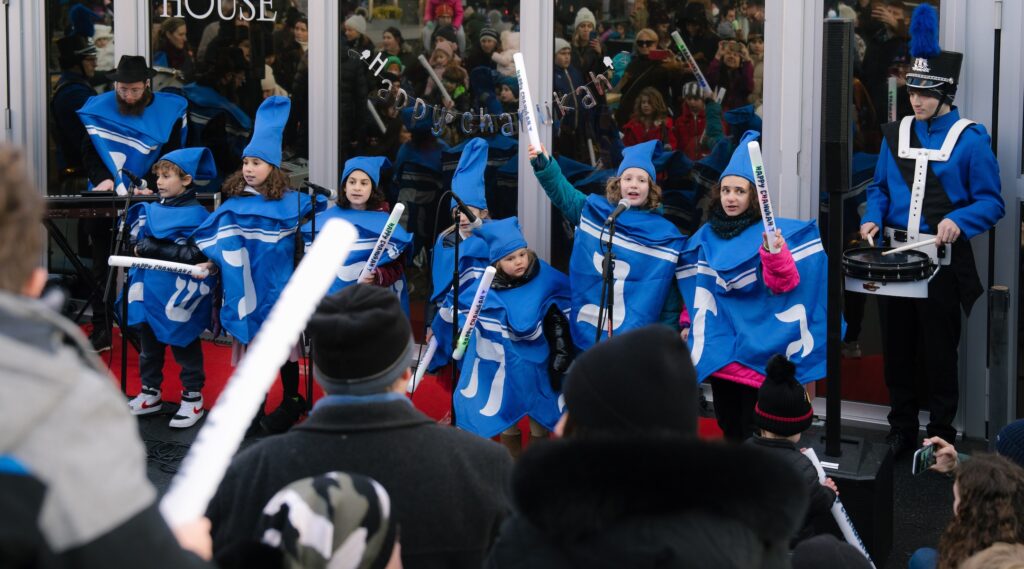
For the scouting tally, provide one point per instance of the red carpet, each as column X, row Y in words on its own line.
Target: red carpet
column 433, row 396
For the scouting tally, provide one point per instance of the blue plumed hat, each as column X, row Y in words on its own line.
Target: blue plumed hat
column 196, row 162
column 372, row 165
column 933, row 69
column 268, row 129
column 739, row 164
column 503, row 237
column 641, row 156
column 468, row 181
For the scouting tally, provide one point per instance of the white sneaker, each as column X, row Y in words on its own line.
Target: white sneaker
column 146, row 402
column 190, row 412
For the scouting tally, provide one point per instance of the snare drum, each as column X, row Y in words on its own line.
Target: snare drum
column 903, row 274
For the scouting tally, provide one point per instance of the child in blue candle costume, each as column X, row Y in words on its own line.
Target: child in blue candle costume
column 747, row 304
column 521, row 345
column 362, row 203
column 646, row 245
column 252, row 239
column 169, row 309
column 468, row 184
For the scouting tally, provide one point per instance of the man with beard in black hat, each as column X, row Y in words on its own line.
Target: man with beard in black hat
column 128, row 129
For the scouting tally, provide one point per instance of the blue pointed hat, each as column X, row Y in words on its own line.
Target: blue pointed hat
column 468, row 181
column 196, row 162
column 503, row 237
column 372, row 165
column 422, row 124
column 739, row 164
column 640, row 156
column 268, row 129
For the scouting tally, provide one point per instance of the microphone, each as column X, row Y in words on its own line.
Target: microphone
column 322, row 191
column 623, row 206
column 474, row 221
column 139, row 183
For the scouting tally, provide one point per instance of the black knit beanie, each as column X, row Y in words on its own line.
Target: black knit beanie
column 640, row 382
column 362, row 340
column 782, row 406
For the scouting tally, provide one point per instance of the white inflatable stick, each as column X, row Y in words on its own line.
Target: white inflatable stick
column 208, row 459
column 526, row 101
column 838, row 511
column 383, row 240
column 474, row 312
column 157, row 265
column 763, row 198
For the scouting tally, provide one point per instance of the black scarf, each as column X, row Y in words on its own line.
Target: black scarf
column 728, row 227
column 504, row 282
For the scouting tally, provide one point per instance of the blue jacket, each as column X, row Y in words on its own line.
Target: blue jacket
column 970, row 178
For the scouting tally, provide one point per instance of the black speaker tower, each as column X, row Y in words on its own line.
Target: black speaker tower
column 862, row 469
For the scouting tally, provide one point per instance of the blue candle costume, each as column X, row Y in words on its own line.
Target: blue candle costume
column 176, row 307
column 369, row 225
column 505, row 374
column 735, row 316
column 468, row 183
column 129, row 142
column 646, row 249
column 251, row 238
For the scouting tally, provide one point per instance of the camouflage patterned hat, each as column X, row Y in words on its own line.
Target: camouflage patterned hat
column 331, row 520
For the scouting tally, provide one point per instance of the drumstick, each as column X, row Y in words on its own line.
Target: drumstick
column 474, row 312
column 871, row 241
column 909, row 246
column 382, row 241
column 526, row 100
column 157, row 265
column 761, row 182
column 208, row 459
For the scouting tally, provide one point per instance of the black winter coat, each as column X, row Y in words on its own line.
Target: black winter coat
column 448, row 488
column 819, row 514
column 667, row 503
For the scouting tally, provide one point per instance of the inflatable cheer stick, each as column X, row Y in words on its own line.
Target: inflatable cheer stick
column 382, row 241
column 437, row 80
column 474, row 312
column 157, row 265
column 208, row 459
column 765, row 200
column 526, row 101
column 693, row 62
column 891, row 100
column 838, row 511
column 421, row 369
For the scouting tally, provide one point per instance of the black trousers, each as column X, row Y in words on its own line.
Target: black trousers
column 151, row 361
column 734, row 408
column 920, row 338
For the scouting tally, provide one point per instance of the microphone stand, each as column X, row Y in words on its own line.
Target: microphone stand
column 119, row 244
column 606, row 307
column 309, row 353
column 455, row 312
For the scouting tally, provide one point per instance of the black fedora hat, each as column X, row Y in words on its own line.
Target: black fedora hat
column 131, row 69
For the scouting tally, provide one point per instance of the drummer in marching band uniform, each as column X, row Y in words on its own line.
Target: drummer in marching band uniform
column 936, row 177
